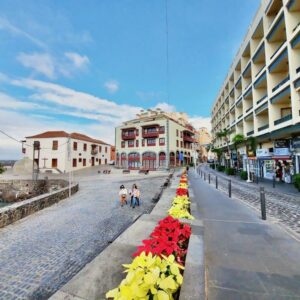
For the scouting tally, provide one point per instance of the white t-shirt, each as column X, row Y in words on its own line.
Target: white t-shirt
column 123, row 192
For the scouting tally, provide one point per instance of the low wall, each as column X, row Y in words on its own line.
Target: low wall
column 12, row 213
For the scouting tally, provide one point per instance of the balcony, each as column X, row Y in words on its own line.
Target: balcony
column 250, row 132
column 94, row 152
column 281, row 83
column 263, row 127
column 188, row 138
column 284, row 119
column 150, row 134
column 261, row 99
column 247, row 110
column 128, row 136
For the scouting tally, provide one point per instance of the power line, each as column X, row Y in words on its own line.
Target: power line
column 167, row 52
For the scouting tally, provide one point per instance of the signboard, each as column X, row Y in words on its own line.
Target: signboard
column 296, row 144
column 281, row 144
column 264, row 152
column 281, row 152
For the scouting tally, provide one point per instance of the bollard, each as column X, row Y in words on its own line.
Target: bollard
column 274, row 181
column 263, row 203
column 229, row 188
column 201, row 173
column 209, row 178
column 256, row 178
column 216, row 182
column 204, row 176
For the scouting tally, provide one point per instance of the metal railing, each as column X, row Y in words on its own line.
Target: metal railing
column 284, row 119
column 263, row 127
column 281, row 83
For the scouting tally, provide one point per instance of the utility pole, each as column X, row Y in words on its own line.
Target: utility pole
column 70, row 164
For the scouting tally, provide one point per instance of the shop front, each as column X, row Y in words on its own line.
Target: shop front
column 296, row 147
column 283, row 161
column 265, row 163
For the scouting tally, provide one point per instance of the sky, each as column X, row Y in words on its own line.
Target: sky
column 87, row 66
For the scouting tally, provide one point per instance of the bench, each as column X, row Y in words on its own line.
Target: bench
column 126, row 171
column 144, row 171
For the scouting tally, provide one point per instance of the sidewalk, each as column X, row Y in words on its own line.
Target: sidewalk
column 281, row 187
column 245, row 257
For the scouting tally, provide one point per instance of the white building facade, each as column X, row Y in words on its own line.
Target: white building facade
column 155, row 140
column 61, row 152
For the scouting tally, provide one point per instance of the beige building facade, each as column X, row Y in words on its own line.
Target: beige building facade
column 260, row 96
column 154, row 140
column 61, row 152
column 204, row 141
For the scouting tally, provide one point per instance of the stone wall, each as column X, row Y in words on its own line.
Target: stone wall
column 19, row 210
column 18, row 190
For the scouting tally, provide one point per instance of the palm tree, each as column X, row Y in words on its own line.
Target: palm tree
column 237, row 140
column 251, row 144
column 225, row 133
column 218, row 152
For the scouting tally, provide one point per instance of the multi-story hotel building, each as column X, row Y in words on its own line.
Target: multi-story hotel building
column 260, row 96
column 155, row 139
column 60, row 152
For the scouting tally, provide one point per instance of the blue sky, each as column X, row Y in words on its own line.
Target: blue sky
column 88, row 65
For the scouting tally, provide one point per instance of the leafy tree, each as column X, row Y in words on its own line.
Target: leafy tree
column 251, row 144
column 218, row 152
column 237, row 140
column 1, row 169
column 225, row 133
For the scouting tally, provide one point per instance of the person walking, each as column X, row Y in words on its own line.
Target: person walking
column 123, row 195
column 136, row 196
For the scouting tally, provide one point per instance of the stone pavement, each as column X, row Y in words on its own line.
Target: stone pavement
column 282, row 206
column 245, row 257
column 43, row 251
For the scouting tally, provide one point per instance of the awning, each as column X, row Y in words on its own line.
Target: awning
column 281, row 157
column 265, row 158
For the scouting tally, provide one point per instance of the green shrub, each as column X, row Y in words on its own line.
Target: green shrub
column 191, row 164
column 297, row 181
column 1, row 169
column 221, row 168
column 229, row 171
column 244, row 175
column 212, row 166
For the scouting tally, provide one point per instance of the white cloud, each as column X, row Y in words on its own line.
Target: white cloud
column 79, row 61
column 39, row 62
column 165, row 107
column 8, row 102
column 111, row 86
column 198, row 122
column 6, row 25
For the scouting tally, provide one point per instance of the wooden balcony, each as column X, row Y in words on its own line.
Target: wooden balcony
column 150, row 134
column 128, row 136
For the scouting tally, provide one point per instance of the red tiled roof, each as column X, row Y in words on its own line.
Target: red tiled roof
column 59, row 134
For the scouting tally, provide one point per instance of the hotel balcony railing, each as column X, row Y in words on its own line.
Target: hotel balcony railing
column 261, row 99
column 250, row 132
column 281, row 83
column 298, row 70
column 247, row 110
column 295, row 28
column 150, row 134
column 284, row 119
column 263, row 127
column 187, row 138
column 276, row 51
column 240, row 116
column 130, row 136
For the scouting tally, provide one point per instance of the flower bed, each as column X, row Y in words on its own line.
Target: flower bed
column 156, row 270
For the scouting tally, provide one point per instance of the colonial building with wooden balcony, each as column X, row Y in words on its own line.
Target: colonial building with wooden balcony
column 61, row 152
column 155, row 139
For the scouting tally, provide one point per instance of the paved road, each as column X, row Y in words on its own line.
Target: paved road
column 284, row 207
column 245, row 257
column 43, row 251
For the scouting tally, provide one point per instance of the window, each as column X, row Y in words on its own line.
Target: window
column 181, row 134
column 96, row 159
column 84, row 147
column 130, row 143
column 80, row 160
column 137, row 143
column 162, row 129
column 177, row 133
column 75, row 146
column 137, row 132
column 100, row 162
column 151, row 142
column 161, row 141
column 84, row 162
column 143, row 142
column 181, row 144
column 177, row 143
column 54, row 162
column 123, row 144
column 106, row 161
column 105, row 149
column 74, row 162
column 54, row 145
column 100, row 148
